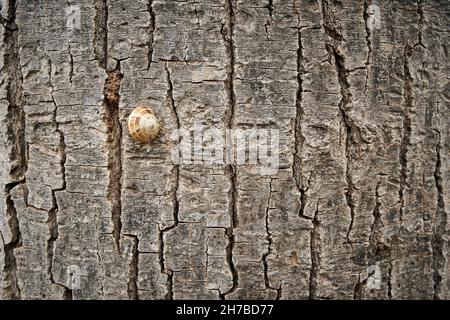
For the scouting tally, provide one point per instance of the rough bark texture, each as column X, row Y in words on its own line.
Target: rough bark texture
column 364, row 179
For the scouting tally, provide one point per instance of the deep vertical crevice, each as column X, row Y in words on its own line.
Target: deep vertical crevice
column 228, row 39
column 346, row 99
column 55, row 123
column 176, row 167
column 315, row 248
column 439, row 242
column 279, row 292
column 407, row 109
column 368, row 33
column 175, row 186
column 71, row 65
column 229, row 257
column 269, row 243
column 101, row 33
column 406, row 138
column 15, row 118
column 299, row 113
column 162, row 261
column 269, row 7
column 114, row 145
column 133, row 272
column 332, row 29
column 232, row 195
column 389, row 281
column 377, row 247
column 17, row 147
column 52, row 222
column 12, row 289
column 369, row 45
column 151, row 31
column 329, row 22
column 169, row 97
column 227, row 32
column 169, row 295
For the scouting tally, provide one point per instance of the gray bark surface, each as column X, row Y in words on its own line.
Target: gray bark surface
column 364, row 173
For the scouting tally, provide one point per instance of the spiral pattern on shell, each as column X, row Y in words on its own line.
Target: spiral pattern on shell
column 143, row 124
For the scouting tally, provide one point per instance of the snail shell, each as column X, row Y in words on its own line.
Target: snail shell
column 142, row 124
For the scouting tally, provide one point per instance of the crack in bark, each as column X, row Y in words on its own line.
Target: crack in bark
column 376, row 243
column 232, row 195
column 55, row 123
column 369, row 45
column 298, row 135
column 12, row 290
column 15, row 118
column 329, row 22
column 52, row 219
column 332, row 30
column 266, row 28
column 439, row 242
column 168, row 272
column 71, row 65
column 100, row 262
column 175, row 202
column 269, row 7
column 315, row 247
column 133, row 272
column 406, row 138
column 359, row 287
column 299, row 138
column 389, row 281
column 229, row 256
column 52, row 222
column 269, row 244
column 151, row 33
column 114, row 144
column 101, row 33
column 228, row 39
column 229, row 232
column 176, row 168
column 17, row 154
column 346, row 98
column 408, row 106
column 227, row 32
column 169, row 96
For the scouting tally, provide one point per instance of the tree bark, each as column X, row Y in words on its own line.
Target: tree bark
column 357, row 210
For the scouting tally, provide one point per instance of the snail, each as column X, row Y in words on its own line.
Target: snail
column 143, row 124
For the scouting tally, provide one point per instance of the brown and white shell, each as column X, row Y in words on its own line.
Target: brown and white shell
column 143, row 124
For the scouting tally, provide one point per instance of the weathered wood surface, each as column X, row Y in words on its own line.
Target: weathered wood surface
column 364, row 118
